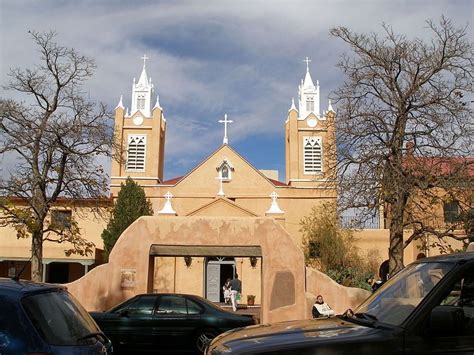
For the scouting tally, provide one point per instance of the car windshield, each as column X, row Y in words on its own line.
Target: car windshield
column 59, row 318
column 399, row 296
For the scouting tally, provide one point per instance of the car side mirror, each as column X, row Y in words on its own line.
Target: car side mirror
column 446, row 321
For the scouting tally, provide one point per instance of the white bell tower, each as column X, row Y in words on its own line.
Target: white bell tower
column 308, row 95
column 142, row 93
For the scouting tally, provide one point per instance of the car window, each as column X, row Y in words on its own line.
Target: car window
column 142, row 306
column 59, row 318
column 172, row 305
column 123, row 306
column 193, row 307
column 398, row 298
column 461, row 296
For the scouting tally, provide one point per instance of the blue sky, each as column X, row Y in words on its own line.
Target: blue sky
column 207, row 58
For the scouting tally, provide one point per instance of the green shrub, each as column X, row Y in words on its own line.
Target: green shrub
column 131, row 203
column 332, row 250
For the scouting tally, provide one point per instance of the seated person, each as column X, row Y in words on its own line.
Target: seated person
column 321, row 308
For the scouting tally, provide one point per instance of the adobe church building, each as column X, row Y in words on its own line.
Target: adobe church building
column 223, row 217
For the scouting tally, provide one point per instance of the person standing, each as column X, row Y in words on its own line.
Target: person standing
column 226, row 289
column 236, row 290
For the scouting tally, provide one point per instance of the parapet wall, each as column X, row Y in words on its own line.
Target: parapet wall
column 284, row 297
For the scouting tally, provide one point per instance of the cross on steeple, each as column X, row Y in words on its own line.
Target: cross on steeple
column 144, row 59
column 168, row 196
column 307, row 61
column 274, row 196
column 225, row 121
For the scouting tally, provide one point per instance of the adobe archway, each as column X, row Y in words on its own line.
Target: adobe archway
column 283, row 269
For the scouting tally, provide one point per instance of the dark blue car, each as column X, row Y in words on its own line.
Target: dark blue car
column 46, row 319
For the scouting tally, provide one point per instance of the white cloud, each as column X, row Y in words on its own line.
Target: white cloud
column 208, row 58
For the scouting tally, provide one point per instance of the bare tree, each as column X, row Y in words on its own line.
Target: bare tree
column 55, row 134
column 404, row 97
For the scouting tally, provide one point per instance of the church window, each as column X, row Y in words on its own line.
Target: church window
column 136, row 153
column 310, row 103
column 61, row 219
column 312, row 151
column 451, row 211
column 141, row 102
column 225, row 171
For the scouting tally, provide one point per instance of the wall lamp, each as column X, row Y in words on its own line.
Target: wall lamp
column 188, row 260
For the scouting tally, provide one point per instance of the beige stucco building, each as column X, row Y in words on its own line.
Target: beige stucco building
column 207, row 224
column 225, row 184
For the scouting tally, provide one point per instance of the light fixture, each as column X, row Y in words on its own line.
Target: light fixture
column 253, row 261
column 188, row 260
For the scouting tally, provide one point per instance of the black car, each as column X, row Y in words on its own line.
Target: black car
column 427, row 308
column 167, row 322
column 45, row 319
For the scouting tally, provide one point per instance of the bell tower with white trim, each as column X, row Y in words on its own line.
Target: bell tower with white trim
column 309, row 137
column 140, row 136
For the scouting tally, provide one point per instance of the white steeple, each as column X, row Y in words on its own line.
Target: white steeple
column 293, row 107
column 330, row 107
column 120, row 104
column 142, row 92
column 308, row 95
column 157, row 104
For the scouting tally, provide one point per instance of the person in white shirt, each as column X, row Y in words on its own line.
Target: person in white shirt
column 321, row 308
column 226, row 289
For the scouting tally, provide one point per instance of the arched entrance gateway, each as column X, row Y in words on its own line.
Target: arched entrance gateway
column 196, row 268
column 265, row 256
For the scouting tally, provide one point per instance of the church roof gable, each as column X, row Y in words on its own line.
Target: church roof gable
column 232, row 157
column 222, row 206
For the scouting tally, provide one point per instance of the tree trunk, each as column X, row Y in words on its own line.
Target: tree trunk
column 37, row 257
column 396, row 240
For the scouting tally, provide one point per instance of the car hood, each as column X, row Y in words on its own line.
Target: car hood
column 287, row 333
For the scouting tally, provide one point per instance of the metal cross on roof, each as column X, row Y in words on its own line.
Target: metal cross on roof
column 144, row 59
column 225, row 121
column 307, row 61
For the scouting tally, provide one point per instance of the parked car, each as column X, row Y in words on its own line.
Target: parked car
column 160, row 322
column 40, row 318
column 427, row 308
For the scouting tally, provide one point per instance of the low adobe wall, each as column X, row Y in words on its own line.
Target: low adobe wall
column 283, row 283
column 283, row 271
column 338, row 297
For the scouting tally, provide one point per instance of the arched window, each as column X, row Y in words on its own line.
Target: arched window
column 141, row 102
column 313, row 155
column 225, row 171
column 136, row 153
column 310, row 104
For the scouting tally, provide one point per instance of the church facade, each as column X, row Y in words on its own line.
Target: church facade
column 225, row 184
column 224, row 217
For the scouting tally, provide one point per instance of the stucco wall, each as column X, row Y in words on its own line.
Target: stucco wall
column 283, row 293
column 282, row 281
column 338, row 297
